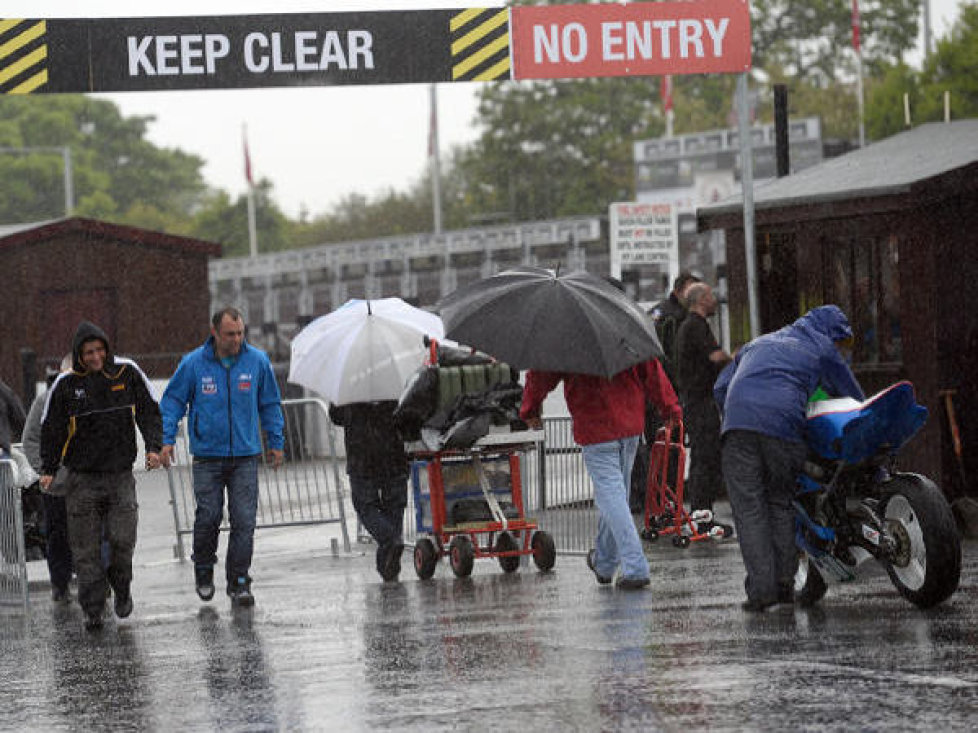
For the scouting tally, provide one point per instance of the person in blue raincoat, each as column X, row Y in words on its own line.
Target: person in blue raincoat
column 763, row 394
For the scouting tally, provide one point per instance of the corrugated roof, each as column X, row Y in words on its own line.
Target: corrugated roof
column 17, row 234
column 889, row 166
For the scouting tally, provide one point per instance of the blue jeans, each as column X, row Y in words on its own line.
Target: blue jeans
column 610, row 467
column 212, row 476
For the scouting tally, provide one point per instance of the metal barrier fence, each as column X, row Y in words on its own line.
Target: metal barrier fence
column 13, row 555
column 306, row 490
column 557, row 491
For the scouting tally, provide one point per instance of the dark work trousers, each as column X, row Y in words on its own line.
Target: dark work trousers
column 705, row 473
column 94, row 499
column 762, row 472
column 59, row 551
column 380, row 502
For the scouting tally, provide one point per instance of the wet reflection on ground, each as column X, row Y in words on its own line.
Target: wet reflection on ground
column 329, row 647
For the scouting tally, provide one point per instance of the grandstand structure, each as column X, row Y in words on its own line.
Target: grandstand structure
column 282, row 291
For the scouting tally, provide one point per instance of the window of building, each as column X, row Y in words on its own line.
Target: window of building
column 861, row 277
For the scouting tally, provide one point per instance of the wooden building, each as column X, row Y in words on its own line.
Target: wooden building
column 147, row 290
column 890, row 234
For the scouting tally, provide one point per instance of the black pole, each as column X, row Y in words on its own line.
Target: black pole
column 28, row 367
column 781, row 129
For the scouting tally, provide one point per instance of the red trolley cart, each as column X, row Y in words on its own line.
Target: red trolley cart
column 469, row 505
column 664, row 510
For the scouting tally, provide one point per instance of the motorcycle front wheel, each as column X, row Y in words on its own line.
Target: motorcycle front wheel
column 926, row 566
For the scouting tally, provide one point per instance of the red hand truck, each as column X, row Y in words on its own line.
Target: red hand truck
column 664, row 510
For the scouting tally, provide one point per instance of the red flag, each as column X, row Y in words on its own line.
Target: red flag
column 247, row 163
column 855, row 26
column 665, row 91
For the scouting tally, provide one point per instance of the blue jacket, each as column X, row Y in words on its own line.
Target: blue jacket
column 767, row 386
column 226, row 405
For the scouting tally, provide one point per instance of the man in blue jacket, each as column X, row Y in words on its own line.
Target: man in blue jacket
column 232, row 396
column 763, row 394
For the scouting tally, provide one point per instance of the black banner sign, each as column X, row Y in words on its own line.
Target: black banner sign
column 245, row 51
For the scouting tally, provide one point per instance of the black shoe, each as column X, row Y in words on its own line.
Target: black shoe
column 756, row 606
column 602, row 579
column 632, row 583
column 60, row 595
column 240, row 592
column 93, row 621
column 204, row 578
column 391, row 566
column 123, row 604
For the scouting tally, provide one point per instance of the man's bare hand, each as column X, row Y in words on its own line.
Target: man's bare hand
column 153, row 460
column 534, row 423
column 275, row 457
column 45, row 482
column 165, row 457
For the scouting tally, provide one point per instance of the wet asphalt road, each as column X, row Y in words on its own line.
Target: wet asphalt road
column 330, row 647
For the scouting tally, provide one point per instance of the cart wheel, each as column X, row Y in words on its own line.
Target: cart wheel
column 649, row 534
column 680, row 540
column 461, row 554
column 544, row 550
column 425, row 558
column 507, row 543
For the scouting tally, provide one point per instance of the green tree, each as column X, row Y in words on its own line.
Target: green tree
column 117, row 173
column 225, row 222
column 953, row 68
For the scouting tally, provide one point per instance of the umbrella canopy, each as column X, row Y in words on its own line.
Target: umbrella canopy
column 534, row 318
column 364, row 351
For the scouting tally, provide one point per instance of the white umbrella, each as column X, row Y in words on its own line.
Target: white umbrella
column 364, row 351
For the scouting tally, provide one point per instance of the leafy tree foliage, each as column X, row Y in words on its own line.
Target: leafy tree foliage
column 117, row 173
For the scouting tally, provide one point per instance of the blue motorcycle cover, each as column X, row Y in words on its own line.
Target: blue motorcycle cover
column 851, row 431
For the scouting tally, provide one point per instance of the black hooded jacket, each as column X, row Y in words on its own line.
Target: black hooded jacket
column 90, row 417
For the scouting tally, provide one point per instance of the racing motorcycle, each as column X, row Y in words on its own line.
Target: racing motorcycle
column 853, row 504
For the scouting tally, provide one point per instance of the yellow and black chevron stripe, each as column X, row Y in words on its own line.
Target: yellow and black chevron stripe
column 480, row 44
column 23, row 56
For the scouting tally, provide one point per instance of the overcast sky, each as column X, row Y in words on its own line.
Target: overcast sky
column 315, row 144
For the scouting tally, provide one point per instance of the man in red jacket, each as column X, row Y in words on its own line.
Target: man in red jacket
column 608, row 416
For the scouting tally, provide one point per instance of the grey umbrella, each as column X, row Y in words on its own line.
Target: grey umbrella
column 535, row 318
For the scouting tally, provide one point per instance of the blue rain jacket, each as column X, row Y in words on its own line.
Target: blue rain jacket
column 767, row 386
column 228, row 407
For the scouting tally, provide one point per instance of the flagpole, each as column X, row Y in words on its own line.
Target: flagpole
column 252, row 228
column 857, row 45
column 433, row 154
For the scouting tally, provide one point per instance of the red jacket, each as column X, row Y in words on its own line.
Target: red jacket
column 605, row 409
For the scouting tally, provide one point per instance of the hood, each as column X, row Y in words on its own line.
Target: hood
column 87, row 331
column 828, row 320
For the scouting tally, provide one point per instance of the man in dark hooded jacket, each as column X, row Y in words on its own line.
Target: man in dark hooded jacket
column 12, row 419
column 89, row 426
column 763, row 394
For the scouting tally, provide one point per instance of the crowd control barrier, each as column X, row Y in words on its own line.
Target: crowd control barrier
column 306, row 490
column 13, row 556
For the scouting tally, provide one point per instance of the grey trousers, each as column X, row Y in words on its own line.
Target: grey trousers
column 94, row 499
column 761, row 472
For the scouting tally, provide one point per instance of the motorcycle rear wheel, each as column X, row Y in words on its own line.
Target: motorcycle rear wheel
column 927, row 564
column 810, row 586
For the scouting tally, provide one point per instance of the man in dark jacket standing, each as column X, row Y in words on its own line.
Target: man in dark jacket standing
column 700, row 361
column 764, row 393
column 89, row 425
column 12, row 419
column 377, row 467
column 229, row 388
